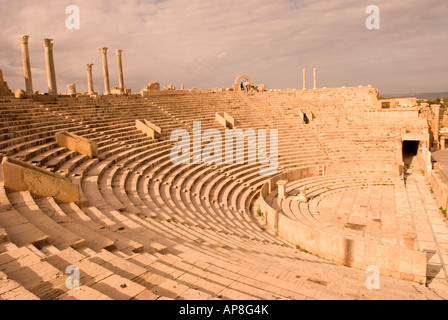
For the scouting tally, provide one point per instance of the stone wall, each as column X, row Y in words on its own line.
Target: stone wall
column 4, row 89
column 439, row 187
column 348, row 97
column 335, row 246
column 77, row 143
column 21, row 176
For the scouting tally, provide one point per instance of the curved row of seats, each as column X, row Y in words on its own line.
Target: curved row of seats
column 152, row 229
column 320, row 187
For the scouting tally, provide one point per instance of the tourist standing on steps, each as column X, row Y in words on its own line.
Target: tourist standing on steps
column 246, row 84
column 242, row 86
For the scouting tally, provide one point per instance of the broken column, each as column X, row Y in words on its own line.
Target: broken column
column 120, row 71
column 26, row 65
column 105, row 71
column 436, row 109
column 49, row 61
column 282, row 188
column 302, row 195
column 315, row 78
column 71, row 88
column 90, row 78
column 304, row 79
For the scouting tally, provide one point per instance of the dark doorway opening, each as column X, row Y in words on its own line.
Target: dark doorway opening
column 410, row 148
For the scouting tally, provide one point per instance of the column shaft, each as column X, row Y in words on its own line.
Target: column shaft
column 120, row 71
column 89, row 78
column 304, row 78
column 49, row 62
column 105, row 71
column 315, row 78
column 26, row 65
column 436, row 110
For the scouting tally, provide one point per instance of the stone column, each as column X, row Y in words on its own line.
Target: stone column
column 304, row 79
column 282, row 189
column 105, row 71
column 71, row 89
column 302, row 196
column 49, row 61
column 436, row 109
column 120, row 71
column 315, row 78
column 89, row 78
column 26, row 65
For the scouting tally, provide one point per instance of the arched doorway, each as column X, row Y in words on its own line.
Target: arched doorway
column 237, row 85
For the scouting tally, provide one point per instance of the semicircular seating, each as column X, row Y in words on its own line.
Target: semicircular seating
column 152, row 229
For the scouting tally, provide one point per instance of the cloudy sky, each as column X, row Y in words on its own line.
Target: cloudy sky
column 207, row 44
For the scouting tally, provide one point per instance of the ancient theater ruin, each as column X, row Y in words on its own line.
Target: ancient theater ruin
column 87, row 184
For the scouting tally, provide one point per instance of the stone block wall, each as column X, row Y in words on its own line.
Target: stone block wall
column 335, row 246
column 4, row 89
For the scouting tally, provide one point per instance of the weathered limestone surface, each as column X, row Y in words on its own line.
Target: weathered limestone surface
column 4, row 89
column 90, row 78
column 261, row 88
column 71, row 89
column 105, row 70
column 49, row 62
column 26, row 64
column 402, row 263
column 169, row 87
column 117, row 90
column 74, row 142
column 230, row 120
column 236, row 84
column 20, row 176
column 120, row 72
column 150, row 88
column 225, row 120
column 282, row 188
column 304, row 79
column 404, row 102
column 440, row 188
column 148, row 128
column 20, row 94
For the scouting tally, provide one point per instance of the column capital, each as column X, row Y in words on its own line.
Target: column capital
column 103, row 50
column 89, row 66
column 118, row 52
column 24, row 38
column 48, row 43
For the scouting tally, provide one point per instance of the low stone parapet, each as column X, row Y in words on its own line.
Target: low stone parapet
column 335, row 246
column 76, row 143
column 148, row 128
column 21, row 176
column 439, row 187
column 226, row 120
column 230, row 120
